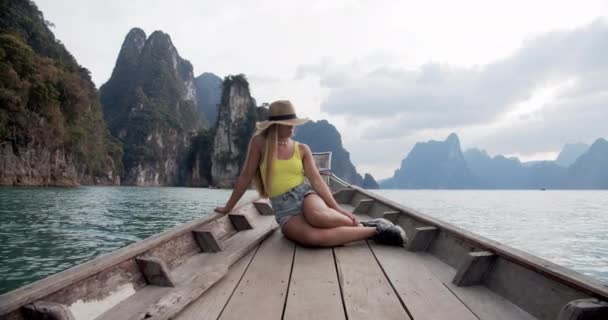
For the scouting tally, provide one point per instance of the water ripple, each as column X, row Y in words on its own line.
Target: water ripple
column 47, row 230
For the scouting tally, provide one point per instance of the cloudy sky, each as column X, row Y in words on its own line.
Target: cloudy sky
column 519, row 78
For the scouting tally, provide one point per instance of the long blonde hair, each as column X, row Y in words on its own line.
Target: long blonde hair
column 271, row 136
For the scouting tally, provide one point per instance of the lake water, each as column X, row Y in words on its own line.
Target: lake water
column 47, row 230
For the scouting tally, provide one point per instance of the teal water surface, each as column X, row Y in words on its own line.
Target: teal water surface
column 46, row 230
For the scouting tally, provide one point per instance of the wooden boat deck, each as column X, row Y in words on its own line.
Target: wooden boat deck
column 239, row 266
column 362, row 280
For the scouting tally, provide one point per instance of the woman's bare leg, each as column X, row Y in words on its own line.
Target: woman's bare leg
column 319, row 215
column 299, row 230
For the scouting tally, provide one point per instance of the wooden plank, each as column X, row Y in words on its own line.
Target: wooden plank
column 422, row 238
column 366, row 292
column 212, row 302
column 13, row 300
column 43, row 310
column 263, row 207
column 391, row 215
column 584, row 309
column 143, row 298
column 206, row 240
column 262, row 292
column 171, row 304
column 423, row 294
column 194, row 277
column 314, row 291
column 240, row 222
column 39, row 289
column 155, row 271
column 363, row 206
column 474, row 268
column 357, row 197
column 235, row 247
column 523, row 287
column 344, row 196
column 485, row 304
column 547, row 269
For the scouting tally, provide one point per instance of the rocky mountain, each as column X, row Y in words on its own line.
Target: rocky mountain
column 434, row 165
column 439, row 165
column 198, row 159
column 369, row 182
column 498, row 172
column 209, row 94
column 150, row 105
column 590, row 170
column 322, row 136
column 52, row 132
column 237, row 114
column 570, row 152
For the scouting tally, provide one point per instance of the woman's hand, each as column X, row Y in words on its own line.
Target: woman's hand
column 222, row 209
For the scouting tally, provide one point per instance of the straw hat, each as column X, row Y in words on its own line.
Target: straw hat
column 282, row 112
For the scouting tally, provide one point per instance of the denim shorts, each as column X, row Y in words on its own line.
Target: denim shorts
column 289, row 204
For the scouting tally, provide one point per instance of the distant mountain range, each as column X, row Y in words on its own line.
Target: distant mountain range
column 442, row 165
column 322, row 136
column 570, row 153
column 154, row 124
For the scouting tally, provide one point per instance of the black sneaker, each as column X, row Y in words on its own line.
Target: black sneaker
column 393, row 235
column 387, row 232
column 380, row 224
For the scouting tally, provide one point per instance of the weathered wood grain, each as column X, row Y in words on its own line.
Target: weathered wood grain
column 366, row 291
column 421, row 239
column 474, row 269
column 262, row 292
column 213, row 301
column 314, row 291
column 485, row 304
column 419, row 289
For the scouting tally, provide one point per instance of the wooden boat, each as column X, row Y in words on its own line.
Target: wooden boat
column 239, row 266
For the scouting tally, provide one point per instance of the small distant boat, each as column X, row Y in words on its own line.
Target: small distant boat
column 239, row 266
column 543, row 189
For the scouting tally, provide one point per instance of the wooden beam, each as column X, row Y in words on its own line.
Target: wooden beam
column 344, row 195
column 263, row 208
column 192, row 279
column 40, row 289
column 240, row 222
column 474, row 268
column 584, row 309
column 391, row 216
column 42, row 310
column 421, row 239
column 206, row 240
column 364, row 206
column 155, row 271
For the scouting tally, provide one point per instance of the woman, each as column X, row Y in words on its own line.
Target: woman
column 307, row 214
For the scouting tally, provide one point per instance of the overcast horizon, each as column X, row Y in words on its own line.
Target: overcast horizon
column 514, row 78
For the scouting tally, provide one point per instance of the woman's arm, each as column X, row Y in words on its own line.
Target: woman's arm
column 312, row 173
column 254, row 154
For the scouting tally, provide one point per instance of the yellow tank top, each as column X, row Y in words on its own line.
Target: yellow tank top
column 286, row 174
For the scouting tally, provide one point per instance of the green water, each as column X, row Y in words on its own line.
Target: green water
column 47, row 230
